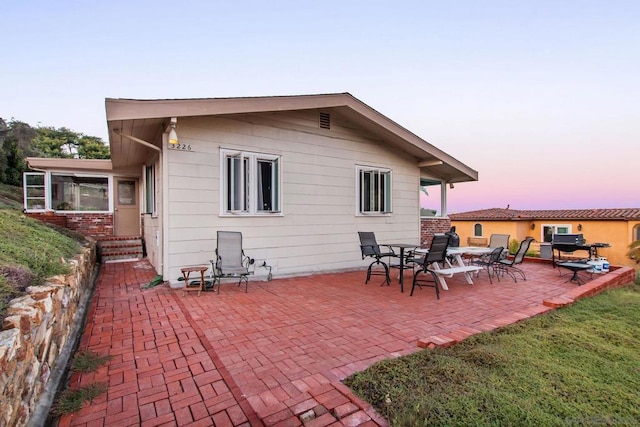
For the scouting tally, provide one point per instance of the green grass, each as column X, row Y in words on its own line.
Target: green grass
column 10, row 197
column 72, row 400
column 30, row 251
column 88, row 361
column 577, row 366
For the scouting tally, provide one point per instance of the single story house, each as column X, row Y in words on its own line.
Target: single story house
column 297, row 175
column 617, row 227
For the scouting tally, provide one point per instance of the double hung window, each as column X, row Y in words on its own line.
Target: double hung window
column 373, row 190
column 251, row 183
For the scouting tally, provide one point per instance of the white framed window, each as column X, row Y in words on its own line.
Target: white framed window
column 548, row 230
column 35, row 191
column 150, row 189
column 477, row 230
column 250, row 183
column 78, row 192
column 373, row 190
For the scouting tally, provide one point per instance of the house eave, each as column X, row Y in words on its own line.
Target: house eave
column 150, row 116
column 89, row 165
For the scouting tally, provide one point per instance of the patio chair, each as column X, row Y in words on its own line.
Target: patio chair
column 369, row 248
column 509, row 265
column 231, row 261
column 497, row 240
column 490, row 262
column 437, row 254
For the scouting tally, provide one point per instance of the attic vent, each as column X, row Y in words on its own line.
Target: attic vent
column 325, row 121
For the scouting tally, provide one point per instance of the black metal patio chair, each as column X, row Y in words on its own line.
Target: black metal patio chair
column 437, row 254
column 369, row 248
column 490, row 262
column 509, row 266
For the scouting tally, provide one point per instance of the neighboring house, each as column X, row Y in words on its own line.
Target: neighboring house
column 618, row 227
column 297, row 175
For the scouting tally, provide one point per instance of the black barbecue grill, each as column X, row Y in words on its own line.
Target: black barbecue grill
column 572, row 243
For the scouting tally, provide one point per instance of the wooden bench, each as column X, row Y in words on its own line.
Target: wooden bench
column 449, row 272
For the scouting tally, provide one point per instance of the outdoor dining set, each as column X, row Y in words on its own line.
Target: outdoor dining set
column 443, row 259
column 430, row 266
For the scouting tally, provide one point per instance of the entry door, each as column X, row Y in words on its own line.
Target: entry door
column 127, row 208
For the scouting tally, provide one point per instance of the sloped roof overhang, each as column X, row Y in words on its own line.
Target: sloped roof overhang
column 79, row 165
column 147, row 120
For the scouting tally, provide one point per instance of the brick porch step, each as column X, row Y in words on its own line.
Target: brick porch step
column 119, row 248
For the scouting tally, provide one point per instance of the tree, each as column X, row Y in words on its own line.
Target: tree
column 52, row 142
column 14, row 142
column 65, row 143
column 91, row 147
column 19, row 140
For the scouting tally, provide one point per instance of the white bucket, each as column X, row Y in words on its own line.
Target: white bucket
column 596, row 266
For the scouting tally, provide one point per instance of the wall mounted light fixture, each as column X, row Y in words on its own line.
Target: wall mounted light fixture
column 579, row 227
column 173, row 136
column 533, row 226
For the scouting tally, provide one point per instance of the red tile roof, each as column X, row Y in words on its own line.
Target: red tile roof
column 498, row 214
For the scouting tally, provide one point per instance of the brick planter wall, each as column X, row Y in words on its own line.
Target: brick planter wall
column 49, row 217
column 89, row 224
column 34, row 334
column 431, row 225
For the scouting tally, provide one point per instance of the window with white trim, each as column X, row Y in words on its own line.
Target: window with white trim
column 548, row 230
column 251, row 183
column 35, row 194
column 77, row 192
column 373, row 190
column 636, row 233
column 150, row 189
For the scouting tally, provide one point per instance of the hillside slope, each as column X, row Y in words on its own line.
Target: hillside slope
column 10, row 197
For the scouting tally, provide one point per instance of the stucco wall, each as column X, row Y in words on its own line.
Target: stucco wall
column 617, row 233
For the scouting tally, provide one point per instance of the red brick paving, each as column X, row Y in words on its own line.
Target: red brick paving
column 266, row 357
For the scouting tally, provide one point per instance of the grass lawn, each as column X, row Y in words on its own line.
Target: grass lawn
column 30, row 251
column 575, row 366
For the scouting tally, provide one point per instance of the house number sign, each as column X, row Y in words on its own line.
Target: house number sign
column 180, row 147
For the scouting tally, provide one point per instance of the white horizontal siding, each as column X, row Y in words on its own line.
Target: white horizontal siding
column 318, row 228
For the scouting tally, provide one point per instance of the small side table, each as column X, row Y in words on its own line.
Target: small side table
column 186, row 271
column 575, row 267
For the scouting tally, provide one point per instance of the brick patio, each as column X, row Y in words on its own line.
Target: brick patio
column 275, row 356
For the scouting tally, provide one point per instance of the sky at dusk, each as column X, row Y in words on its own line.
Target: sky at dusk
column 542, row 98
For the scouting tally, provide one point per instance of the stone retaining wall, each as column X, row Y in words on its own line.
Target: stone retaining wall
column 34, row 334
